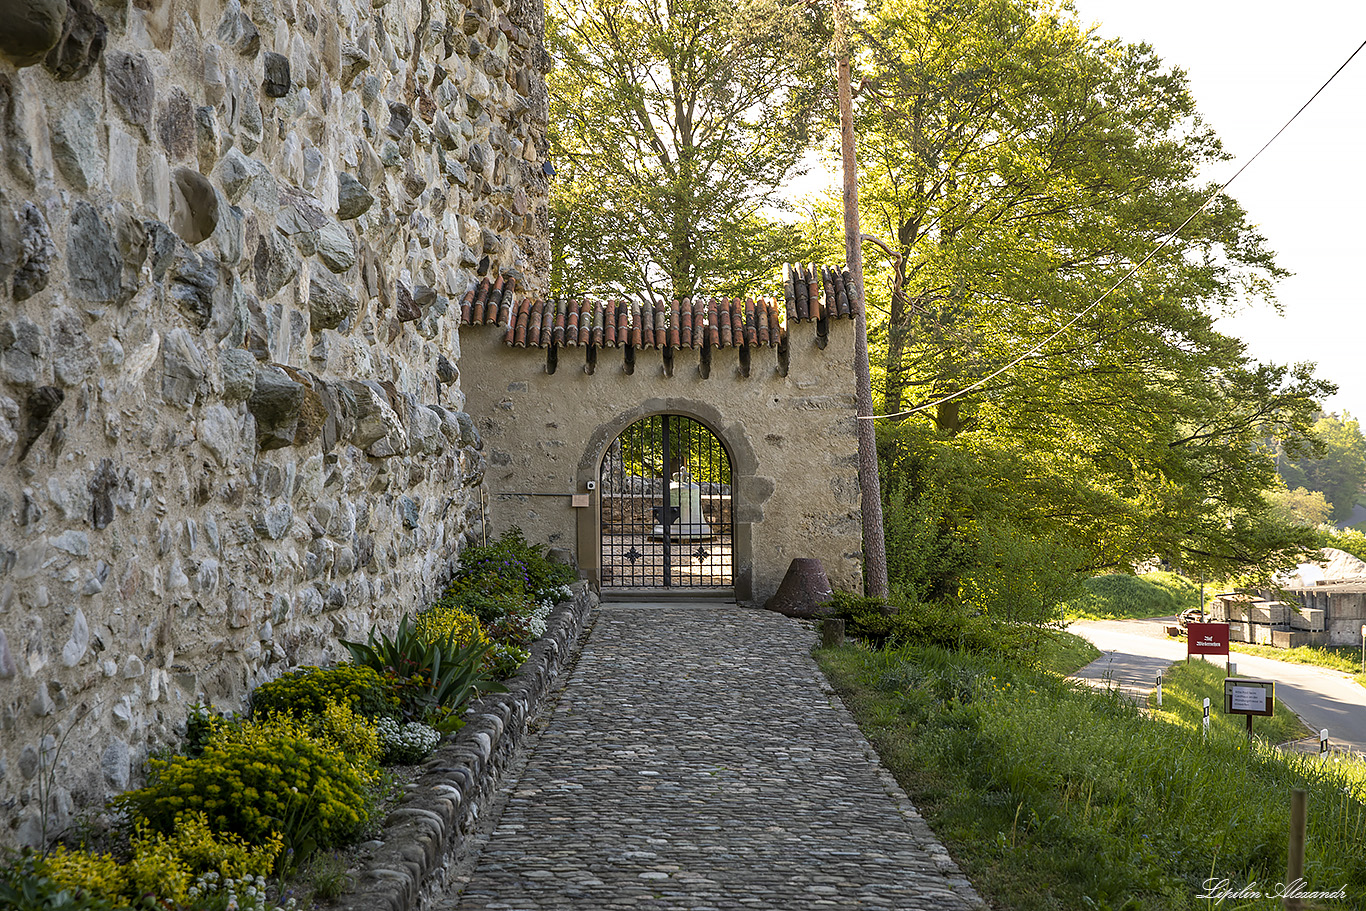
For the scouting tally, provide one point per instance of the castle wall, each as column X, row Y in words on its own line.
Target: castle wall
column 232, row 424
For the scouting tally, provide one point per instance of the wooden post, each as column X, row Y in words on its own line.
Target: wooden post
column 832, row 632
column 1294, row 867
column 874, row 540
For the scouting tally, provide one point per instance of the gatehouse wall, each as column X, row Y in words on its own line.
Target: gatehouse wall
column 792, row 440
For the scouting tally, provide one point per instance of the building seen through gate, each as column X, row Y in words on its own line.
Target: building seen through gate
column 665, row 507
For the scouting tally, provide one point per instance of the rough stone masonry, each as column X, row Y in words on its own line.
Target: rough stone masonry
column 231, row 417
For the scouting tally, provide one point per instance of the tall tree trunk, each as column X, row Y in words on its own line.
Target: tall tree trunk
column 874, row 544
column 898, row 336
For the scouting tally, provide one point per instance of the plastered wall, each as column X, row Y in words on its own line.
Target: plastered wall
column 792, row 438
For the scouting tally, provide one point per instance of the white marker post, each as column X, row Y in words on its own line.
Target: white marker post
column 1159, row 691
column 1323, row 743
column 1206, row 717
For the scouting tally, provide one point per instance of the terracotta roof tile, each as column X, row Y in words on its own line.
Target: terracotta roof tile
column 810, row 293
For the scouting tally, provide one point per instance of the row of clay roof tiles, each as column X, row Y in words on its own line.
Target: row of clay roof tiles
column 810, row 294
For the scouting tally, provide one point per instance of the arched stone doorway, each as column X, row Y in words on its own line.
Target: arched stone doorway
column 666, row 508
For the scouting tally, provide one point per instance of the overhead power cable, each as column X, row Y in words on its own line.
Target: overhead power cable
column 1171, row 236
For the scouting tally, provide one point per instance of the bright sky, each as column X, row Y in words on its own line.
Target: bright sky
column 1251, row 64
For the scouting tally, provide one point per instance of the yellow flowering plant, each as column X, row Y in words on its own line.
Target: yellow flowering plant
column 258, row 780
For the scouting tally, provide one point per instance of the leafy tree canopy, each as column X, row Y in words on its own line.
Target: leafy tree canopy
column 673, row 122
column 1299, row 506
column 1017, row 166
column 1338, row 470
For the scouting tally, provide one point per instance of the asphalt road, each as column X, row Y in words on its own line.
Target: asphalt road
column 1136, row 651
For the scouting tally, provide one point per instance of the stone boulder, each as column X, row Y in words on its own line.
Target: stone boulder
column 30, row 28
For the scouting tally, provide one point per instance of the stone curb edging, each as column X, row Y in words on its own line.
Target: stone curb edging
column 442, row 806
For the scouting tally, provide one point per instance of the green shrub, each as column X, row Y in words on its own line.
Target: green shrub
column 201, row 724
column 505, row 659
column 98, row 876
column 351, row 733
column 309, row 690
column 433, row 680
column 444, row 621
column 505, row 576
column 539, row 573
column 257, row 780
column 196, row 847
column 488, row 597
column 162, row 868
column 945, row 625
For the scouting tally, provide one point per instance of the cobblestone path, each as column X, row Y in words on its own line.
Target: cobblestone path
column 698, row 759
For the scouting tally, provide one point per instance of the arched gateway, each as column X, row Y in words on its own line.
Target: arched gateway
column 696, row 445
column 666, row 507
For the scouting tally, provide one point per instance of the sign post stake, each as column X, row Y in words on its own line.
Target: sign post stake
column 1294, row 866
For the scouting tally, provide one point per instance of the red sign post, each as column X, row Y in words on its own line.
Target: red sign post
column 1206, row 639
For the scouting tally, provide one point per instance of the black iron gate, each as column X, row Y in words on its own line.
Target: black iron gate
column 666, row 511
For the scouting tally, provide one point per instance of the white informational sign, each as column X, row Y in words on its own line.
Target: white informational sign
column 1246, row 696
column 1247, row 699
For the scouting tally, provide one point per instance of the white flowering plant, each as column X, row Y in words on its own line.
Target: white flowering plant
column 212, row 892
column 406, row 744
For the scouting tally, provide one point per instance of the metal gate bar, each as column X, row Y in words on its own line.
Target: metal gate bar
column 667, row 517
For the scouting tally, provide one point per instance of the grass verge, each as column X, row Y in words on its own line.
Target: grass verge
column 1120, row 597
column 1185, row 686
column 1345, row 658
column 1066, row 653
column 1055, row 798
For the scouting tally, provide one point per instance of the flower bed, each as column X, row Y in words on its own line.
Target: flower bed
column 249, row 796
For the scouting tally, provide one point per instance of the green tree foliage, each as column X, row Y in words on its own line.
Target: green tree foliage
column 1018, row 166
column 673, row 122
column 1351, row 540
column 1299, row 506
column 1340, row 472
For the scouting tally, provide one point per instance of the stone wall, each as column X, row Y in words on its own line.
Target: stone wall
column 232, row 426
column 788, row 425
